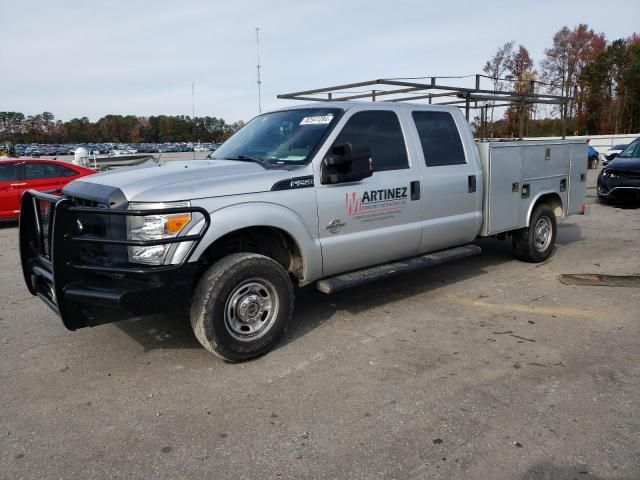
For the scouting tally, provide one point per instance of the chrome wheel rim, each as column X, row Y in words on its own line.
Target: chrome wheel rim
column 542, row 234
column 251, row 309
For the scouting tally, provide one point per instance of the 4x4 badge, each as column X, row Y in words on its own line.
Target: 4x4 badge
column 335, row 225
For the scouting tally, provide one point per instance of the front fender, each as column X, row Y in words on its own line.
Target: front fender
column 263, row 214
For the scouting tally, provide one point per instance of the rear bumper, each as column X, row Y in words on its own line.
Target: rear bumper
column 103, row 290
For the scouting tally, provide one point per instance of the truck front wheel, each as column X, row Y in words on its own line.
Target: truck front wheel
column 241, row 305
column 535, row 243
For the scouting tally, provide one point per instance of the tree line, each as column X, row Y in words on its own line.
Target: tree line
column 15, row 127
column 602, row 79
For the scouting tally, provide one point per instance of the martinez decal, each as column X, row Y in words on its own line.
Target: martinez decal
column 373, row 205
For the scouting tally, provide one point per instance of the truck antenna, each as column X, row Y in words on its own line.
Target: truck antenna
column 258, row 69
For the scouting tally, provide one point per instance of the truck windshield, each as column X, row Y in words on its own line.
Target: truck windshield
column 280, row 138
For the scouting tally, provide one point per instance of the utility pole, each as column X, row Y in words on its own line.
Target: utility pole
column 193, row 100
column 258, row 69
column 193, row 113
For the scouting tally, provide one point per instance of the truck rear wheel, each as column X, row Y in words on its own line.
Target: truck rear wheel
column 241, row 306
column 535, row 243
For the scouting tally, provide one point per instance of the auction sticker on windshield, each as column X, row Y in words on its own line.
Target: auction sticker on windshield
column 317, row 120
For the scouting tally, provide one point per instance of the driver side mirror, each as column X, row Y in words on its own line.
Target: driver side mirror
column 346, row 163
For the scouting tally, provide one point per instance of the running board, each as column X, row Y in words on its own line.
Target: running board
column 360, row 277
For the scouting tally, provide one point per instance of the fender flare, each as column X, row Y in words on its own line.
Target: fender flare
column 535, row 200
column 263, row 214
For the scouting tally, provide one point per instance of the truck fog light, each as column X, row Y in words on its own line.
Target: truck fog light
column 153, row 255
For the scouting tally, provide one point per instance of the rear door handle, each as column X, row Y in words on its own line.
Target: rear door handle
column 472, row 183
column 415, row 190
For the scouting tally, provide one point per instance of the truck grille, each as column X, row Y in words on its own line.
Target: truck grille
column 100, row 226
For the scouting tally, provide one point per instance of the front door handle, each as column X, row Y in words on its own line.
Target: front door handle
column 415, row 190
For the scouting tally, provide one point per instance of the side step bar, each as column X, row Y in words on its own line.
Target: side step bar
column 360, row 277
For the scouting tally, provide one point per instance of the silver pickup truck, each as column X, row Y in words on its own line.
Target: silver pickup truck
column 334, row 193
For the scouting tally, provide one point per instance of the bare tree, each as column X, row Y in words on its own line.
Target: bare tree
column 495, row 68
column 564, row 62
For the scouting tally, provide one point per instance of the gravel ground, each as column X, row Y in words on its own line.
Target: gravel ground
column 482, row 368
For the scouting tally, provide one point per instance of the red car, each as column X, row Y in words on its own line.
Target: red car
column 20, row 174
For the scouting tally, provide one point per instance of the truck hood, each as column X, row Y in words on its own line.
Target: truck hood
column 174, row 181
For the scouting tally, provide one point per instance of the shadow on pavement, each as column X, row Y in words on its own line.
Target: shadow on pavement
column 568, row 233
column 167, row 331
column 623, row 205
column 312, row 308
column 6, row 224
column 173, row 329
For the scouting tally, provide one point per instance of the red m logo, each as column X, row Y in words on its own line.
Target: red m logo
column 352, row 203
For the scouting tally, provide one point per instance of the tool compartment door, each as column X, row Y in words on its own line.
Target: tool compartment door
column 545, row 169
column 503, row 192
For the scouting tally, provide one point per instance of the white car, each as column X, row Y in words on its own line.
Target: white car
column 613, row 152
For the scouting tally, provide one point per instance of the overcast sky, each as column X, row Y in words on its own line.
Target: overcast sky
column 140, row 57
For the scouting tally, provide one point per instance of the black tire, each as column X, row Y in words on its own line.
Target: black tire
column 220, row 301
column 526, row 242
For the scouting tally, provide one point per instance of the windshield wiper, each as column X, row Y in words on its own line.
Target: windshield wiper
column 244, row 158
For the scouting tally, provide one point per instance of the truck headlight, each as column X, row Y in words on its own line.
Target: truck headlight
column 154, row 227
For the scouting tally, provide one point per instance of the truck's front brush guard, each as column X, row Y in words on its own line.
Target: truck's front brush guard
column 50, row 236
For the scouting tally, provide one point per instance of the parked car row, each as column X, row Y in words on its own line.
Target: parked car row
column 55, row 150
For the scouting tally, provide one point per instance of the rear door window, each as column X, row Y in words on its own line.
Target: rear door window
column 439, row 138
column 7, row 172
column 62, row 171
column 380, row 130
column 37, row 170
